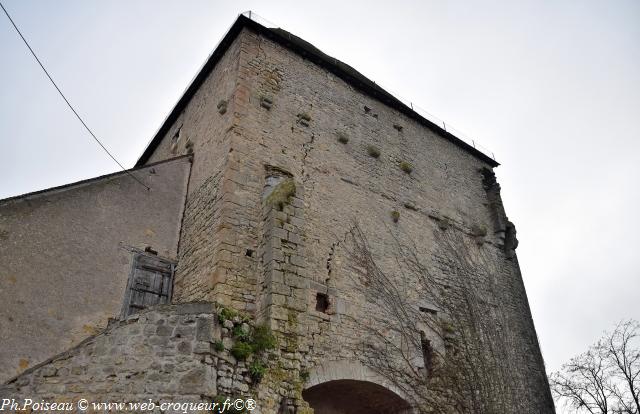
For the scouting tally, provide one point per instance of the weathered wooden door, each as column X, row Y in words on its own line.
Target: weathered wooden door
column 150, row 283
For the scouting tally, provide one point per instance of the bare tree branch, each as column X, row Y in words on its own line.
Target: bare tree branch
column 606, row 378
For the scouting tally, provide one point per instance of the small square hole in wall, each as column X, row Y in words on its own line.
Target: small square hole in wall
column 322, row 302
column 249, row 253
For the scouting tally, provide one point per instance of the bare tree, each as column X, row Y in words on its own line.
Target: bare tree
column 584, row 383
column 456, row 340
column 606, row 378
column 622, row 351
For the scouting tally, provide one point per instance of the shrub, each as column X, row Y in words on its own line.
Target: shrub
column 343, row 138
column 241, row 350
column 256, row 370
column 263, row 339
column 395, row 216
column 373, row 151
column 225, row 314
column 218, row 346
column 240, row 334
column 406, row 167
column 259, row 340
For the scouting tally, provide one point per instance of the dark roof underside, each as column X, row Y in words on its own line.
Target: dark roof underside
column 310, row 52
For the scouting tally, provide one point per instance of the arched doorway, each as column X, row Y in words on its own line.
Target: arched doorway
column 349, row 396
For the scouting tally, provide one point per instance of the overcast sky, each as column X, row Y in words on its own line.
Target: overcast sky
column 552, row 87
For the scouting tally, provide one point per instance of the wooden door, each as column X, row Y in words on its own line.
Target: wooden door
column 150, row 283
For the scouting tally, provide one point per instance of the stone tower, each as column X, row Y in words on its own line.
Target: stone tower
column 288, row 193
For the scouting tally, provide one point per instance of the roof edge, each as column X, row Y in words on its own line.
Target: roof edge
column 91, row 180
column 362, row 83
column 191, row 90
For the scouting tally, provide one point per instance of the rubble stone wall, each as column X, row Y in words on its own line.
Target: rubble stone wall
column 163, row 354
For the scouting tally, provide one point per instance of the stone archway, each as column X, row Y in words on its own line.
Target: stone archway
column 340, row 387
column 354, row 397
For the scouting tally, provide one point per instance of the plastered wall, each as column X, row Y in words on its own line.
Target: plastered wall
column 66, row 254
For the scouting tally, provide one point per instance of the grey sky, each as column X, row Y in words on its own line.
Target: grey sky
column 553, row 88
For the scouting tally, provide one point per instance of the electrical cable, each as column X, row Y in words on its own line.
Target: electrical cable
column 67, row 101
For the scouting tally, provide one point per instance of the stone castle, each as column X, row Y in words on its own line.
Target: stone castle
column 307, row 240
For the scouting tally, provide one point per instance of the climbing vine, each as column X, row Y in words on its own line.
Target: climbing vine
column 454, row 336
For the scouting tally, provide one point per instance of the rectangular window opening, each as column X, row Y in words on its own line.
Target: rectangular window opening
column 322, row 302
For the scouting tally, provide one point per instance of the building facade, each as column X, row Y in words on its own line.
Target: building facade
column 290, row 193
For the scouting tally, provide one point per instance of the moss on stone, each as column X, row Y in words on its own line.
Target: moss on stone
column 373, row 151
column 342, row 138
column 410, row 206
column 292, row 318
column 222, row 106
column 304, row 375
column 479, row 230
column 281, row 194
column 304, row 116
column 406, row 167
column 444, row 222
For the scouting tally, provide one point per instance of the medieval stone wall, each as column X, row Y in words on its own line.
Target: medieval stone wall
column 205, row 128
column 353, row 161
column 296, row 120
column 66, row 255
column 166, row 354
column 289, row 164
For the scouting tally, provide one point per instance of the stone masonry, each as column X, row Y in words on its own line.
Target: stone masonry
column 165, row 354
column 292, row 152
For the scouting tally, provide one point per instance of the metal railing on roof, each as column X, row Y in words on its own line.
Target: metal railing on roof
column 417, row 109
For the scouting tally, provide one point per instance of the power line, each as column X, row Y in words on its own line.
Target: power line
column 67, row 101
